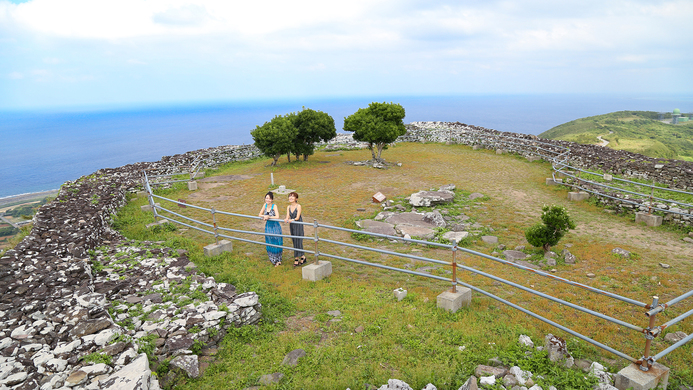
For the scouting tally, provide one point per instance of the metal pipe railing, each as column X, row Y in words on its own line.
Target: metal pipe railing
column 650, row 332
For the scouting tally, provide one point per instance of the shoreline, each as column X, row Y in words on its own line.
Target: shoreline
column 26, row 197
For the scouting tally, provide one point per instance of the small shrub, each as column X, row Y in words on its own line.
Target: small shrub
column 556, row 223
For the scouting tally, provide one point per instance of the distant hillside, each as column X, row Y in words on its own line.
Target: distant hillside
column 634, row 131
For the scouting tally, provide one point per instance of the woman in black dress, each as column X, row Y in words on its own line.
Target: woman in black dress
column 293, row 214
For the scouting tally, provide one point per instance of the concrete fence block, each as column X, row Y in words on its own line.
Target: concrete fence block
column 649, row 219
column 400, row 293
column 477, row 147
column 147, row 208
column 553, row 182
column 533, row 158
column 314, row 272
column 500, row 151
column 158, row 223
column 578, row 196
column 453, row 301
column 217, row 249
column 632, row 377
column 192, row 185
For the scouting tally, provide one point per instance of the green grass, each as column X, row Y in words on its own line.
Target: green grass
column 411, row 340
column 635, row 131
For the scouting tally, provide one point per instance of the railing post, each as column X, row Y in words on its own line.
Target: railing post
column 214, row 221
column 315, row 230
column 150, row 198
column 645, row 365
column 454, row 267
column 649, row 211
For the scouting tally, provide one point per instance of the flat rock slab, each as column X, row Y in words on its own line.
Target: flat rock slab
column 187, row 363
column 511, row 255
column 410, row 219
column 455, row 236
column 291, row 359
column 416, row 231
column 429, row 198
column 489, row 239
column 378, row 227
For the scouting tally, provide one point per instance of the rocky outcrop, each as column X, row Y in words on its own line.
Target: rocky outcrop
column 82, row 307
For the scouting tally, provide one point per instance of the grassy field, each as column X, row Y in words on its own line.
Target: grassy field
column 633, row 131
column 376, row 337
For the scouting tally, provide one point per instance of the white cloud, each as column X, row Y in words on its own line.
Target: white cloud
column 16, row 76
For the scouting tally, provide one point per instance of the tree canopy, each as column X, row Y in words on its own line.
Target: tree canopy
column 275, row 137
column 294, row 133
column 312, row 126
column 379, row 125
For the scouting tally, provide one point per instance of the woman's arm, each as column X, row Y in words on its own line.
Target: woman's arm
column 262, row 211
column 298, row 212
column 287, row 214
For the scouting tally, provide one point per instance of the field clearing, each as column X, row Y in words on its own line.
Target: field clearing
column 412, row 340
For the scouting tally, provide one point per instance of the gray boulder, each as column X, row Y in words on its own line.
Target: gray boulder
column 187, row 363
column 430, row 198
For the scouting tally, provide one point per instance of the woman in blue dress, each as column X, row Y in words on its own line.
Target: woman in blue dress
column 270, row 213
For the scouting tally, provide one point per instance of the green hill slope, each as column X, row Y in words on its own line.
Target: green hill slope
column 634, row 131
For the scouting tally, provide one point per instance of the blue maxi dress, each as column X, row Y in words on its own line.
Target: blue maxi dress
column 272, row 226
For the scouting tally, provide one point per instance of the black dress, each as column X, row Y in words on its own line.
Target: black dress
column 296, row 231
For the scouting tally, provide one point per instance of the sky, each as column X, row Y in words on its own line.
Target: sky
column 65, row 53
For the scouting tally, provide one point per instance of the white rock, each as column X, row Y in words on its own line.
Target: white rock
column 247, row 299
column 6, row 342
column 96, row 369
column 56, row 365
column 135, row 375
column 487, row 380
column 41, row 357
column 106, row 336
column 525, row 340
column 16, row 379
column 214, row 315
column 67, row 348
column 130, row 353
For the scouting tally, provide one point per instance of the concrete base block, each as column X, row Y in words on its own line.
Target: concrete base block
column 631, row 377
column 533, row 158
column 147, row 208
column 141, row 193
column 158, row 223
column 477, row 147
column 192, row 185
column 217, row 249
column 553, row 182
column 314, row 272
column 578, row 196
column 649, row 219
column 400, row 293
column 500, row 151
column 454, row 301
column 608, row 177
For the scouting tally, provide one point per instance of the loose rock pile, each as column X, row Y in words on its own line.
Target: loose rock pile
column 83, row 308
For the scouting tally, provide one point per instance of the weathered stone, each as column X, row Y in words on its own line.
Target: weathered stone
column 621, row 252
column 482, row 370
column 435, row 218
column 291, row 359
column 134, row 376
column 489, row 239
column 513, row 256
column 455, row 236
column 268, row 379
column 377, row 227
column 416, row 232
column 187, row 363
column 87, row 327
column 675, row 336
column 430, row 198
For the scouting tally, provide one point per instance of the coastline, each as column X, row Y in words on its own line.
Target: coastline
column 27, row 197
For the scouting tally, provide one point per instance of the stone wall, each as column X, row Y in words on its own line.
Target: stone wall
column 675, row 174
column 73, row 286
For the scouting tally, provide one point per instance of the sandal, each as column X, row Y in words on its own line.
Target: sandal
column 302, row 260
column 278, row 264
column 296, row 263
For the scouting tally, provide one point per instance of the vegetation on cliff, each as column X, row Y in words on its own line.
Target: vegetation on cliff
column 634, row 131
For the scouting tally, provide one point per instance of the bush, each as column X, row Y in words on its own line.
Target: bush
column 556, row 223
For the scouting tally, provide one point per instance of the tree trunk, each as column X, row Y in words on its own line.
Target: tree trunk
column 370, row 146
column 288, row 156
column 547, row 248
column 275, row 158
column 305, row 157
column 380, row 151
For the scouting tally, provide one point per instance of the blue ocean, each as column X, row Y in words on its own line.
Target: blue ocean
column 40, row 150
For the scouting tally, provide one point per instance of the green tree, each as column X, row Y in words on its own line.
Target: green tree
column 556, row 223
column 379, row 125
column 276, row 137
column 312, row 126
